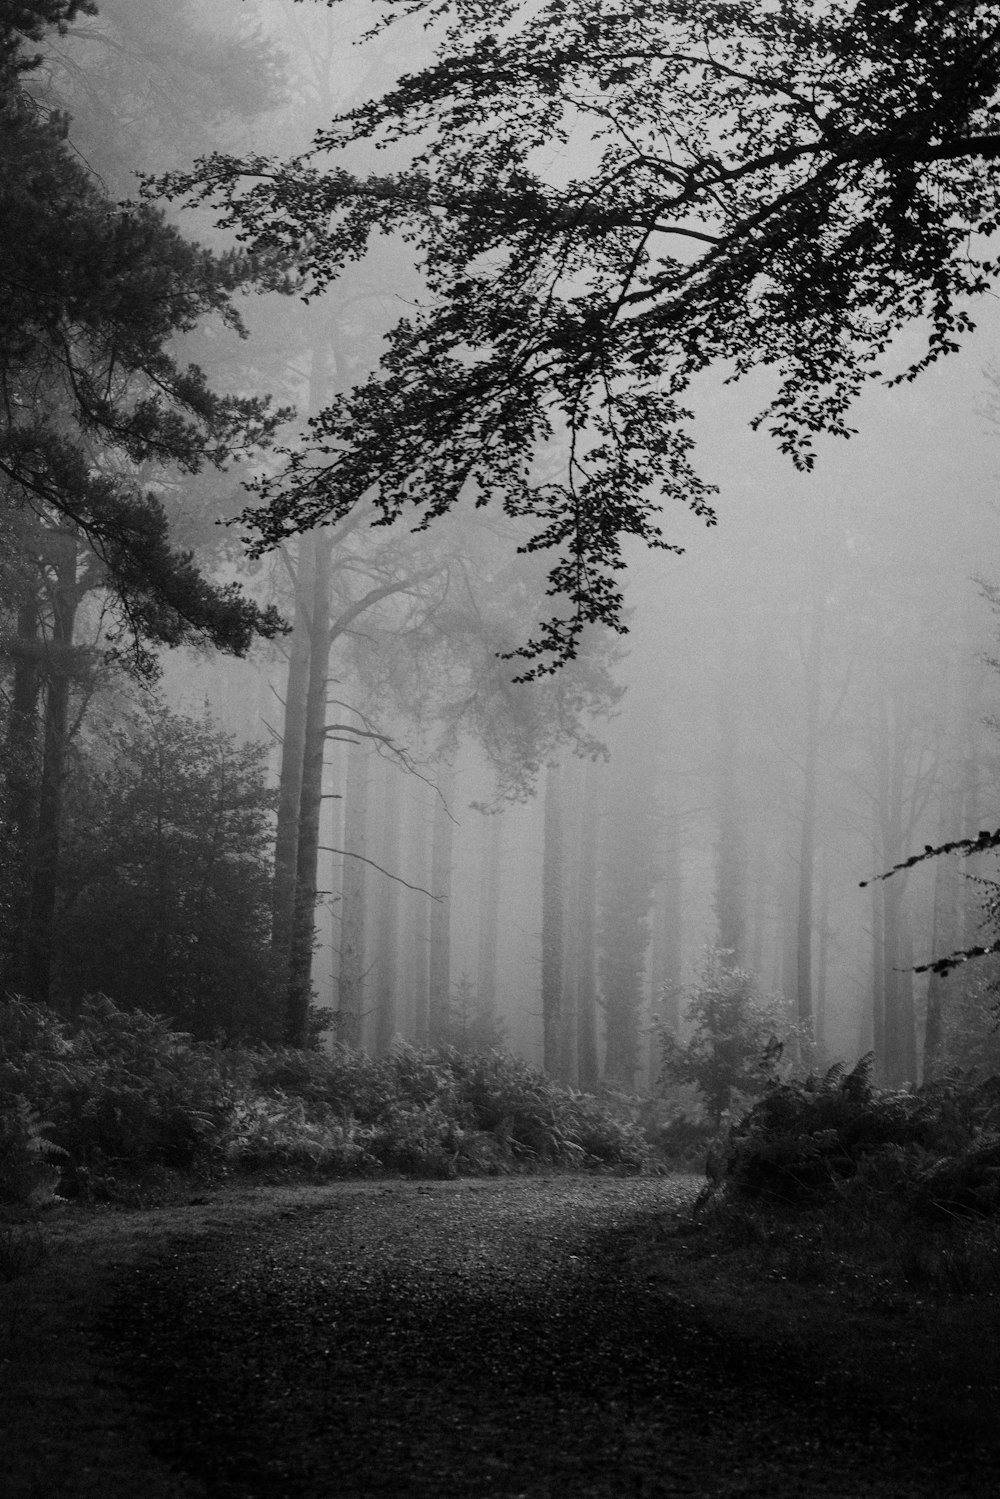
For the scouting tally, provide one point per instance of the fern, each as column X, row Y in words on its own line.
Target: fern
column 27, row 1173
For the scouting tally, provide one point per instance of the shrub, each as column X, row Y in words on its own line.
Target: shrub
column 28, row 1174
column 121, row 1091
column 737, row 1035
column 939, row 1146
column 131, row 1100
column 682, row 1143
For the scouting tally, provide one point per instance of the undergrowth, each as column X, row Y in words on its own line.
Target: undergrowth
column 831, row 1176
column 108, row 1105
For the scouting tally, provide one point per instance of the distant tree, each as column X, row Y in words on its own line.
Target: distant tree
column 736, row 1038
column 164, row 899
column 553, row 925
column 146, row 85
column 779, row 187
column 491, row 863
column 731, row 860
column 626, row 894
column 584, row 943
column 473, row 1026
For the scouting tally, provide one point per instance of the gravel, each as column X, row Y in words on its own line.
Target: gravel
column 506, row 1339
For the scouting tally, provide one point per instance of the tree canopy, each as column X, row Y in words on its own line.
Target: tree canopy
column 603, row 202
column 95, row 401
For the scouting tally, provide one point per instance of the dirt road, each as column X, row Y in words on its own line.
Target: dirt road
column 526, row 1339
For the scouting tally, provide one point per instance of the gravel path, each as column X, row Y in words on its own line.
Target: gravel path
column 512, row 1339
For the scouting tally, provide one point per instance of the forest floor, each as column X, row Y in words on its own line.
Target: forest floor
column 517, row 1338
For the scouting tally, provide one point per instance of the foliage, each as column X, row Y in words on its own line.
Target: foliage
column 830, row 1179
column 128, row 1099
column 94, row 296
column 606, row 201
column 121, row 1091
column 167, row 879
column 736, row 1039
column 680, row 1141
column 937, row 1147
column 195, row 72
column 27, row 1173
column 473, row 1027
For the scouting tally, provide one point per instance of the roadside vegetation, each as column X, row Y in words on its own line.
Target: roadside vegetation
column 113, row 1105
column 830, row 1179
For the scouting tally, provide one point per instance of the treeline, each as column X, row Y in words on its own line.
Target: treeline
column 113, row 454
column 144, row 857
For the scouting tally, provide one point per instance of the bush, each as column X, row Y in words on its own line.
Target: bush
column 737, row 1036
column 28, row 1174
column 682, row 1143
column 120, row 1090
column 831, row 1175
column 939, row 1146
column 128, row 1100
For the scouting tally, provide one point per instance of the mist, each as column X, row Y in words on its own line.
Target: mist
column 803, row 699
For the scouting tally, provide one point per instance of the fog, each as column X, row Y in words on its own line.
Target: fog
column 804, row 699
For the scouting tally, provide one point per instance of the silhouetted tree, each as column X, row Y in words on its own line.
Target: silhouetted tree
column 778, row 187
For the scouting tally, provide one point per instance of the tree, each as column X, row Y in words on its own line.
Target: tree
column 778, row 187
column 94, row 294
column 146, row 85
column 553, row 925
column 628, row 879
column 164, row 895
column 736, row 1038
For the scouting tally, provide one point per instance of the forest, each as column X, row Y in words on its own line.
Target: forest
column 453, row 668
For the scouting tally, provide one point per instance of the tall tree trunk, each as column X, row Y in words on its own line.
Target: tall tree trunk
column 946, row 922
column 311, row 793
column 350, row 1004
column 552, row 925
column 588, row 1064
column 48, row 831
column 730, row 848
column 667, row 960
column 442, row 841
column 823, row 963
column 293, row 737
column 491, row 862
column 419, row 915
column 386, row 956
column 907, row 1007
column 875, row 1031
column 807, row 835
column 627, row 896
column 22, row 780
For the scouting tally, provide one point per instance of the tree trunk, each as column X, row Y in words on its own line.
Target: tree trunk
column 439, row 970
column 588, row 1065
column 386, row 956
column 876, row 1030
column 293, row 738
column 311, row 793
column 946, row 923
column 730, row 848
column 48, row 830
column 823, row 963
column 667, row 964
column 22, row 780
column 350, row 1000
column 491, row 862
column 807, row 837
column 419, row 917
column 552, row 925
